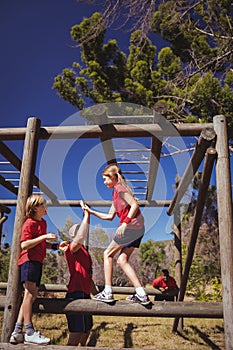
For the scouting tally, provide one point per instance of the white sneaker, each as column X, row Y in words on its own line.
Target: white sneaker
column 36, row 338
column 16, row 338
column 135, row 298
column 103, row 296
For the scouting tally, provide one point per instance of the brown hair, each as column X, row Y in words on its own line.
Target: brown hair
column 113, row 170
column 32, row 202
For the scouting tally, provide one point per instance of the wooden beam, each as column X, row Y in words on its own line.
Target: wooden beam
column 8, row 185
column 16, row 162
column 8, row 346
column 178, row 254
column 125, row 308
column 156, row 146
column 225, row 221
column 95, row 203
column 112, row 130
column 202, row 193
column 206, row 138
column 116, row 290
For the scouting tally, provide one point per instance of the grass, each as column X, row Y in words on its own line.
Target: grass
column 138, row 332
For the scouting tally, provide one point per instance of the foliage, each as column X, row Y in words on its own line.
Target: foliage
column 191, row 73
column 4, row 264
column 50, row 269
column 152, row 259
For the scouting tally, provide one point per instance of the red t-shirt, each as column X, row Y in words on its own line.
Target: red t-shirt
column 80, row 268
column 122, row 209
column 160, row 283
column 32, row 229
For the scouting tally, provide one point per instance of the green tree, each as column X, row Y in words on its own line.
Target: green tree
column 205, row 271
column 50, row 269
column 152, row 258
column 4, row 264
column 191, row 73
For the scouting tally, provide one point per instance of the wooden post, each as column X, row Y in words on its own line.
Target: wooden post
column 224, row 198
column 178, row 253
column 202, row 192
column 25, row 189
column 206, row 138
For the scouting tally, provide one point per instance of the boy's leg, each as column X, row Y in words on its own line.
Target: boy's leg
column 30, row 295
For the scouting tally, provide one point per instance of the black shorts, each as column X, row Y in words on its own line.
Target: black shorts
column 131, row 238
column 79, row 323
column 31, row 271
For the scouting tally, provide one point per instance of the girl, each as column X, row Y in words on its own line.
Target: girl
column 128, row 234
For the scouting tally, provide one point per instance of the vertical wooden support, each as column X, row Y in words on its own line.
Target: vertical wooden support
column 224, row 198
column 178, row 253
column 202, row 192
column 13, row 294
column 156, row 146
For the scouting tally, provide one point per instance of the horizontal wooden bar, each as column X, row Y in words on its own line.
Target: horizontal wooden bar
column 125, row 308
column 97, row 203
column 8, row 346
column 115, row 289
column 111, row 130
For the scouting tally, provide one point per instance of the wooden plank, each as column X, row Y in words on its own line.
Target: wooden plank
column 8, row 346
column 113, row 130
column 126, row 308
column 116, row 289
column 91, row 203
column 225, row 221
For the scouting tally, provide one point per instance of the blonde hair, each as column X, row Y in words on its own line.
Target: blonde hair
column 113, row 170
column 32, row 202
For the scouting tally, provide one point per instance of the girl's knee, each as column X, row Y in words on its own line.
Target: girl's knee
column 109, row 253
column 121, row 260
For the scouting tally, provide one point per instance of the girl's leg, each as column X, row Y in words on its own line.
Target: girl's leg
column 140, row 296
column 124, row 264
column 109, row 253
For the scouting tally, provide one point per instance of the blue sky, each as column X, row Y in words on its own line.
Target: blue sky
column 35, row 47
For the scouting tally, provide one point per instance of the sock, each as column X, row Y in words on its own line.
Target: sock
column 108, row 289
column 29, row 328
column 140, row 291
column 18, row 327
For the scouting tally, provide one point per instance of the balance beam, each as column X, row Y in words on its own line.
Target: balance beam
column 126, row 308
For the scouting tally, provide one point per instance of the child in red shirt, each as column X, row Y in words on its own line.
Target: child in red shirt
column 80, row 284
column 128, row 234
column 34, row 245
column 165, row 283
